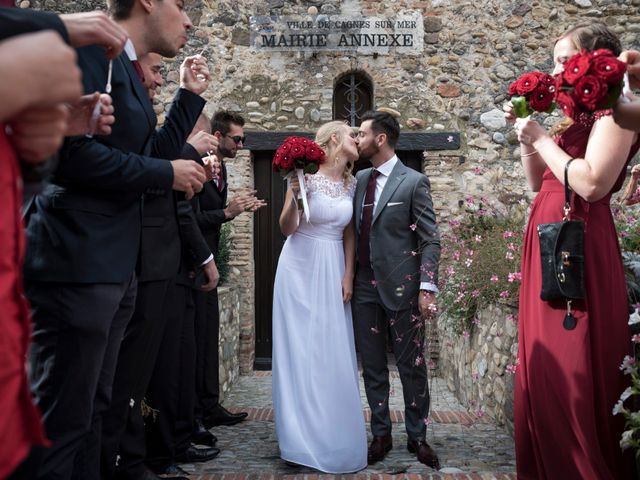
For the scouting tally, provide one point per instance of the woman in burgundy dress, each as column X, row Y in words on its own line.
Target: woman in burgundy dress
column 569, row 380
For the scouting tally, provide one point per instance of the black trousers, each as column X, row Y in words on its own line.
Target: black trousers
column 207, row 356
column 123, row 428
column 171, row 392
column 77, row 332
column 371, row 323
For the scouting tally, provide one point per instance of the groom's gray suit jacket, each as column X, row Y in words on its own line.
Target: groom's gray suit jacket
column 404, row 237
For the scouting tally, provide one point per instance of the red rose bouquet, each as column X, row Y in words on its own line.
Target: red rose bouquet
column 532, row 92
column 590, row 81
column 298, row 155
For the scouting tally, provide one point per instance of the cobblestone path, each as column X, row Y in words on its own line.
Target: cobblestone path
column 469, row 447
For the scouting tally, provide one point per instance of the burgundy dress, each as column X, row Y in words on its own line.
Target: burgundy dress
column 568, row 381
column 20, row 424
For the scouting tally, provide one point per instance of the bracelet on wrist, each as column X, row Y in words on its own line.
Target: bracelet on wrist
column 528, row 154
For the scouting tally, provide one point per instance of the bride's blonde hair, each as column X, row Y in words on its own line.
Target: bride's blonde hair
column 323, row 138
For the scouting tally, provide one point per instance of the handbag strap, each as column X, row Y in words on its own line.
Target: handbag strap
column 567, row 190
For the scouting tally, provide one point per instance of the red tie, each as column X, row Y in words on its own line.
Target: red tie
column 364, row 252
column 138, row 68
column 219, row 181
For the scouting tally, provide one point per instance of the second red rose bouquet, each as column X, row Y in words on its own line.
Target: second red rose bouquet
column 532, row 92
column 298, row 155
column 591, row 81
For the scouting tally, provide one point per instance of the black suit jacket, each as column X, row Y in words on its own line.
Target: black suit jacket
column 16, row 21
column 195, row 249
column 85, row 226
column 209, row 210
column 160, row 249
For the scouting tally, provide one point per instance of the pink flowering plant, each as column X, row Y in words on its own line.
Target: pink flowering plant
column 628, row 227
column 480, row 261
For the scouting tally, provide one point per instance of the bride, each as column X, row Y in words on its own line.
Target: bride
column 316, row 399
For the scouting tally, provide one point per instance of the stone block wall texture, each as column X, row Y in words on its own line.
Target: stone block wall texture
column 229, row 346
column 479, row 367
column 473, row 51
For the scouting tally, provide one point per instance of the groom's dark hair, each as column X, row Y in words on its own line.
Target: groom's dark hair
column 383, row 122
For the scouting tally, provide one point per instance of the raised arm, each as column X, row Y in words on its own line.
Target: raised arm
column 593, row 176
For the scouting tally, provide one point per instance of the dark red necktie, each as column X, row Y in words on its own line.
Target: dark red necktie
column 364, row 252
column 7, row 3
column 138, row 68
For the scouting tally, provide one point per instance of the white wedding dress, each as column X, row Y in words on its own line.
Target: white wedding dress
column 316, row 399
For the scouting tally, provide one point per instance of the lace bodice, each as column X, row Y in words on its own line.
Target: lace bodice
column 330, row 207
column 331, row 188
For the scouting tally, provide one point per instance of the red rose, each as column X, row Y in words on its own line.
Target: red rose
column 297, row 151
column 590, row 91
column 576, row 67
column 601, row 52
column 609, row 68
column 567, row 104
column 527, row 83
column 313, row 153
column 546, row 79
column 542, row 98
column 286, row 162
column 513, row 89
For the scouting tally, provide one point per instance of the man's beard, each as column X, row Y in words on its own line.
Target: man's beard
column 225, row 152
column 366, row 154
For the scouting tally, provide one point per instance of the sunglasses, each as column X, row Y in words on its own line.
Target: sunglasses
column 237, row 138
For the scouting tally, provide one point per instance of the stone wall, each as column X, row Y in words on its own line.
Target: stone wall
column 473, row 51
column 479, row 367
column 229, row 346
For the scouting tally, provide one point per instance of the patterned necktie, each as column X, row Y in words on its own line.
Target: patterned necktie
column 364, row 252
column 138, row 68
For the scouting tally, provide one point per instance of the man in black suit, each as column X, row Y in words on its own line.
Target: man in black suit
column 83, row 237
column 171, row 392
column 212, row 211
column 160, row 253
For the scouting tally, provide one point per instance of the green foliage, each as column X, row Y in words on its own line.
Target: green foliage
column 480, row 264
column 628, row 226
column 224, row 252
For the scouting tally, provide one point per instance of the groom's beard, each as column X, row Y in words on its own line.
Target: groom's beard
column 366, row 154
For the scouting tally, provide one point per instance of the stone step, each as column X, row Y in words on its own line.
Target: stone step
column 469, row 446
column 397, row 416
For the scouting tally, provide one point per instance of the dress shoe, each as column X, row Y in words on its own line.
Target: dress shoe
column 424, row 453
column 379, row 448
column 221, row 416
column 193, row 454
column 202, row 436
column 149, row 475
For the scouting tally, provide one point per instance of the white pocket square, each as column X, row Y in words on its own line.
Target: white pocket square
column 393, row 204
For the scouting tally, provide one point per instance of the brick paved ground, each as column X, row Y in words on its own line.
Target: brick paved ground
column 469, row 447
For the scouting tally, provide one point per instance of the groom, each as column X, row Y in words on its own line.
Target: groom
column 397, row 250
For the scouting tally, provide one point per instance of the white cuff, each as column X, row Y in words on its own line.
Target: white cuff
column 430, row 287
column 209, row 259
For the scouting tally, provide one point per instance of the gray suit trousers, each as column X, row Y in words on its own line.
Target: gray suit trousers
column 372, row 321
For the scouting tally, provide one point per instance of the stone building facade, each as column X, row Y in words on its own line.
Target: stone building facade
column 457, row 82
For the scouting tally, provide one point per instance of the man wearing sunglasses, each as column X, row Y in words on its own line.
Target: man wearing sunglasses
column 212, row 210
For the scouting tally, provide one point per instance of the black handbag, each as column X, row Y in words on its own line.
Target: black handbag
column 562, row 257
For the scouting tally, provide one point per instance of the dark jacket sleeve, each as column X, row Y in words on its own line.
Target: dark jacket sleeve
column 108, row 163
column 210, row 218
column 169, row 140
column 194, row 243
column 16, row 21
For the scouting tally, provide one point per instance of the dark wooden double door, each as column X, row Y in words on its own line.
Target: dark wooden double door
column 268, row 242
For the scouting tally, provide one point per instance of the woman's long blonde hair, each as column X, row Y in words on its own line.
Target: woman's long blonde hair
column 588, row 36
column 323, row 138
